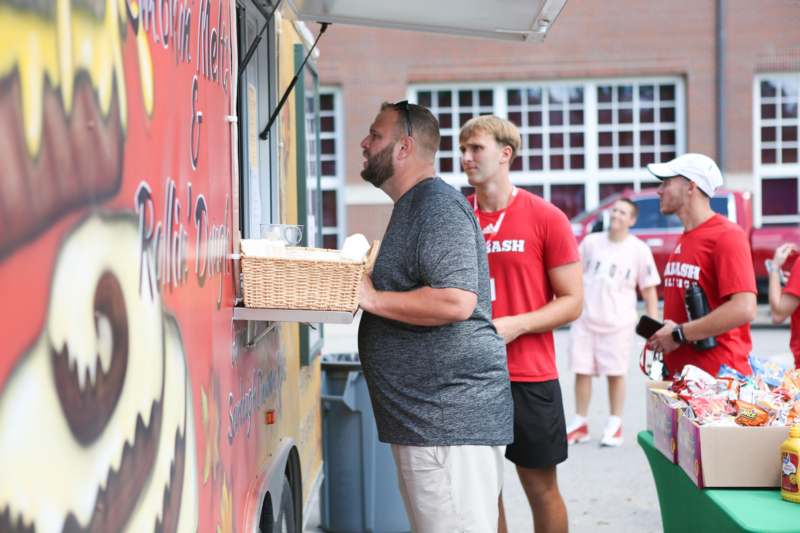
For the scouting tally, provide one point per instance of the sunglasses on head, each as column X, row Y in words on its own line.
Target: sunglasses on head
column 404, row 106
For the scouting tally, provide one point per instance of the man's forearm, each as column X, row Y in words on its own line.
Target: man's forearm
column 552, row 315
column 425, row 306
column 738, row 310
column 775, row 297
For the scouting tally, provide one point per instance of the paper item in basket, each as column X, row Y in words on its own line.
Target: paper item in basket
column 355, row 247
column 263, row 247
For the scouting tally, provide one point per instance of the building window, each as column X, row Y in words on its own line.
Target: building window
column 581, row 139
column 779, row 122
column 636, row 124
column 331, row 162
column 453, row 108
column 329, row 142
column 777, row 153
column 569, row 198
column 607, row 189
column 551, row 122
column 538, row 190
column 779, row 196
column 330, row 218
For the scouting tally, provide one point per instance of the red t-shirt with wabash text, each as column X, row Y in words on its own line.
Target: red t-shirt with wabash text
column 523, row 241
column 715, row 255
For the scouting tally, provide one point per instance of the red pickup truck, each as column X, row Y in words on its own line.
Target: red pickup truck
column 661, row 232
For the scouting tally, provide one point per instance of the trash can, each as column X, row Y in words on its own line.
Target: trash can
column 359, row 489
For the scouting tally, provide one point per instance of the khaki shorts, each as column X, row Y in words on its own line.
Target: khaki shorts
column 450, row 489
column 604, row 354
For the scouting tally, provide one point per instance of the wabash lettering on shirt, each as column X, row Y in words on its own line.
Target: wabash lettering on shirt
column 508, row 245
column 681, row 275
column 716, row 256
column 523, row 241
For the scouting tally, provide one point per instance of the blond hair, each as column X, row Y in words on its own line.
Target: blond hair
column 505, row 133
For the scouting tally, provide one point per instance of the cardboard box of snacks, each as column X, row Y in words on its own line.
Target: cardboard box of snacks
column 730, row 456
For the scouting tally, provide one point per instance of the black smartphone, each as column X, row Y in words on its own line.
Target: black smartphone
column 648, row 326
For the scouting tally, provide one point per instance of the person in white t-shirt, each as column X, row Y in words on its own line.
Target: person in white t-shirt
column 615, row 263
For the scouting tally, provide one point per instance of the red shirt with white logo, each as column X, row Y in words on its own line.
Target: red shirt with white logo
column 793, row 288
column 715, row 255
column 523, row 241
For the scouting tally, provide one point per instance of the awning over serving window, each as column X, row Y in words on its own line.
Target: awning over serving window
column 513, row 20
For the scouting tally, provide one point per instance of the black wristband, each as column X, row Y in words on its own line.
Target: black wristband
column 677, row 335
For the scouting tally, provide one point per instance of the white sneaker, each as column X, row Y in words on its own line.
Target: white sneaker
column 578, row 431
column 611, row 437
column 579, row 435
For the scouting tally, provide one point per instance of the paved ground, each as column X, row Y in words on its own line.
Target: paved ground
column 605, row 489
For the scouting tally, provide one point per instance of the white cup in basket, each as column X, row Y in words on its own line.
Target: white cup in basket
column 288, row 234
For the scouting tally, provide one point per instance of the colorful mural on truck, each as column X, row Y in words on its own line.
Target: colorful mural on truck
column 128, row 399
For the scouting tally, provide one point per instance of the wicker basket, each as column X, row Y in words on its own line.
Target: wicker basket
column 323, row 283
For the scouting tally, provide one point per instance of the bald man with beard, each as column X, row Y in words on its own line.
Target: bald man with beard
column 433, row 361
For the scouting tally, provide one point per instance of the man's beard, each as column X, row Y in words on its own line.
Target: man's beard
column 379, row 167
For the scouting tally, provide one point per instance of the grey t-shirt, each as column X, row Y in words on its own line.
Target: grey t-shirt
column 442, row 385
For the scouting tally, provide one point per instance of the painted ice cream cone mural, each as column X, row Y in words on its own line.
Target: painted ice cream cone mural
column 102, row 442
column 62, row 98
column 109, row 419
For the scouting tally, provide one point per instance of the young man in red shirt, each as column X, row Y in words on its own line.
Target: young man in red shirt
column 786, row 303
column 712, row 253
column 537, row 286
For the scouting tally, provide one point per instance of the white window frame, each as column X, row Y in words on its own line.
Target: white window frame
column 591, row 175
column 336, row 182
column 763, row 171
column 455, row 127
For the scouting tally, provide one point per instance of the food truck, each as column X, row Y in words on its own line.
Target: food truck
column 140, row 140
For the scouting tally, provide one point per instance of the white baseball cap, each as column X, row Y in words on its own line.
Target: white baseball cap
column 698, row 168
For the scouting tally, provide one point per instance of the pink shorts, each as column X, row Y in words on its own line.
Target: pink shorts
column 605, row 354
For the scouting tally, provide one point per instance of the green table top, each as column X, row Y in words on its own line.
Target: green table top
column 685, row 508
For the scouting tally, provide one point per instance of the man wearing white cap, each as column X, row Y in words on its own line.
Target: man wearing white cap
column 712, row 253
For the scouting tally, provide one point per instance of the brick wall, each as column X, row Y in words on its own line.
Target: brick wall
column 590, row 39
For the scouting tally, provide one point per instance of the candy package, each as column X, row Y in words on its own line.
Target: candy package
column 748, row 414
column 707, row 410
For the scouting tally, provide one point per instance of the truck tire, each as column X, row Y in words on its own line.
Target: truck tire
column 286, row 522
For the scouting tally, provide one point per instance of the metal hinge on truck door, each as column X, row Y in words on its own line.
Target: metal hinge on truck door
column 265, row 131
column 252, row 49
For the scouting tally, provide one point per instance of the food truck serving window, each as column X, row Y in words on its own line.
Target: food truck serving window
column 515, row 20
column 257, row 172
